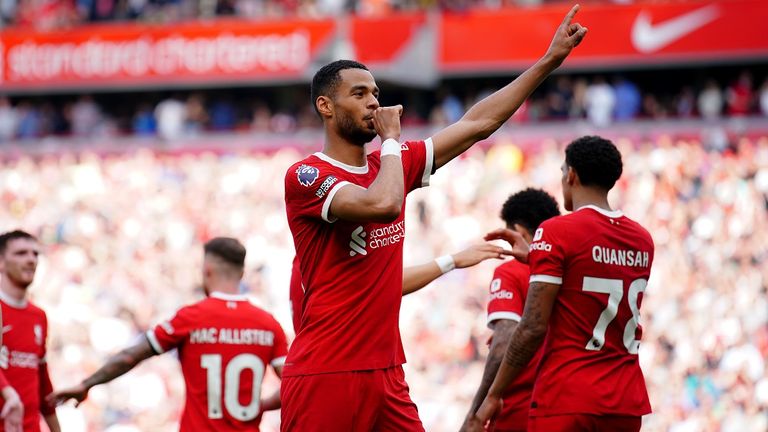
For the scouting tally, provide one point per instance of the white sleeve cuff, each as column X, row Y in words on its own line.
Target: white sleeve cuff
column 429, row 162
column 503, row 315
column 325, row 213
column 152, row 338
column 278, row 362
column 546, row 279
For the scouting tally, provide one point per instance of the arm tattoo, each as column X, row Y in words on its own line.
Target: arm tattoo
column 501, row 336
column 118, row 364
column 530, row 333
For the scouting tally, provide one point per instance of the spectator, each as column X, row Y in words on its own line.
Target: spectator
column 171, row 114
column 144, row 123
column 86, row 117
column 711, row 101
column 600, row 101
column 8, row 120
column 764, row 98
column 628, row 99
column 739, row 95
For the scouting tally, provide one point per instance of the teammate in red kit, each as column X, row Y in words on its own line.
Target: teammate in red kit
column 522, row 213
column 23, row 367
column 414, row 277
column 589, row 270
column 346, row 213
column 224, row 342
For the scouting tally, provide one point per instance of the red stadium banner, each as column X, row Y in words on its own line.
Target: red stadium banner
column 619, row 35
column 129, row 55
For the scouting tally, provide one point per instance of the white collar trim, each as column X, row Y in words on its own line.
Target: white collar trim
column 350, row 168
column 12, row 302
column 228, row 297
column 602, row 211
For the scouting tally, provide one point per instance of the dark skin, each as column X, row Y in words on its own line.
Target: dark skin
column 352, row 117
column 503, row 329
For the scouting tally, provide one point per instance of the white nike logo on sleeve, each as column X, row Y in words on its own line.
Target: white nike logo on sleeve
column 647, row 37
column 7, row 328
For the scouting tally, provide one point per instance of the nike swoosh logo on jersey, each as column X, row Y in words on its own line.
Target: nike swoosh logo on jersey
column 7, row 328
column 648, row 37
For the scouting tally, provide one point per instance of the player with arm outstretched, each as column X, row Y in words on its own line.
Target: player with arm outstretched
column 225, row 344
column 414, row 277
column 589, row 270
column 345, row 209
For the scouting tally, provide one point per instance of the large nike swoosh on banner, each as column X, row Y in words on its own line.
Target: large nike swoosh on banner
column 647, row 37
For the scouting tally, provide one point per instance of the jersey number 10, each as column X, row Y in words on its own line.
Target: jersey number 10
column 615, row 290
column 212, row 364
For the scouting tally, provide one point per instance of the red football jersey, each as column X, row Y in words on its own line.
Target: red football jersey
column 508, row 291
column 296, row 295
column 22, row 358
column 225, row 344
column 351, row 271
column 602, row 262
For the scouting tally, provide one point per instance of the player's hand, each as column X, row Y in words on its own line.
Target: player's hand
column 567, row 37
column 79, row 393
column 13, row 411
column 491, row 407
column 476, row 254
column 386, row 120
column 515, row 239
column 472, row 423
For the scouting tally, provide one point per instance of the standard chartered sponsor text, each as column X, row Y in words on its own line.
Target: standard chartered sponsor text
column 96, row 58
column 388, row 235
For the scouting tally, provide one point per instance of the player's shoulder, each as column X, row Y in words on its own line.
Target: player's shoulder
column 511, row 268
column 306, row 170
column 33, row 309
column 260, row 314
column 556, row 224
column 640, row 231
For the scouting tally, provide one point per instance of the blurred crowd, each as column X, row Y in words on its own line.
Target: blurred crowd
column 123, row 235
column 57, row 14
column 597, row 100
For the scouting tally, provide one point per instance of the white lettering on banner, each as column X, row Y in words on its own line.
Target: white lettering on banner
column 172, row 55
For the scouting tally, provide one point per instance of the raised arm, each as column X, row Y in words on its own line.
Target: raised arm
column 116, row 366
column 486, row 116
column 382, row 201
column 418, row 276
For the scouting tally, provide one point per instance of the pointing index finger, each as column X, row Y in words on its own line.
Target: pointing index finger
column 569, row 17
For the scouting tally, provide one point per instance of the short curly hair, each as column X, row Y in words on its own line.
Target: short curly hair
column 327, row 79
column 529, row 208
column 596, row 160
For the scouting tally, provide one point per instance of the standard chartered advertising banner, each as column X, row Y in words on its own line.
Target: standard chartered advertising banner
column 133, row 55
column 412, row 49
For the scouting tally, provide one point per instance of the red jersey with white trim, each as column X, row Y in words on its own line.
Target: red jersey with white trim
column 351, row 271
column 508, row 291
column 22, row 358
column 602, row 262
column 225, row 344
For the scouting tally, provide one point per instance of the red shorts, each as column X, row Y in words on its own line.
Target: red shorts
column 359, row 401
column 584, row 423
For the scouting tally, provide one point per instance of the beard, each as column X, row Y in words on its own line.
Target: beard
column 352, row 132
column 20, row 280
